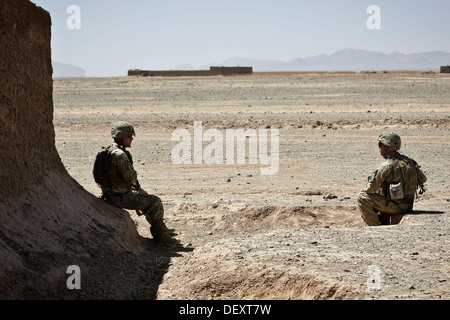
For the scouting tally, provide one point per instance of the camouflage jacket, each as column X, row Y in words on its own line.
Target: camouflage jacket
column 390, row 172
column 122, row 171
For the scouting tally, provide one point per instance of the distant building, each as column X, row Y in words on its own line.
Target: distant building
column 445, row 69
column 213, row 71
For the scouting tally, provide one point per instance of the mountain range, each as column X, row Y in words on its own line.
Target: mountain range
column 348, row 60
column 343, row 60
column 63, row 70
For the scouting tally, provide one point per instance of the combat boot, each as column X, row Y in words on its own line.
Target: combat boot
column 161, row 234
column 169, row 231
column 384, row 219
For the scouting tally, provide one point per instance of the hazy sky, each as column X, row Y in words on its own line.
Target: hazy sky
column 115, row 36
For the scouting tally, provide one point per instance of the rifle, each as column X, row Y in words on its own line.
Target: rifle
column 136, row 187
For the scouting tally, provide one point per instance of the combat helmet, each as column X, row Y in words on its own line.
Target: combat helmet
column 122, row 129
column 391, row 140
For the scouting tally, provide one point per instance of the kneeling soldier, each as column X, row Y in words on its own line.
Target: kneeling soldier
column 390, row 190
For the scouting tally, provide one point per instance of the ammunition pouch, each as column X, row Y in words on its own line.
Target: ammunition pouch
column 396, row 191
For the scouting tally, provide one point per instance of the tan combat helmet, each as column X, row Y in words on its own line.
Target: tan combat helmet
column 122, row 129
column 391, row 140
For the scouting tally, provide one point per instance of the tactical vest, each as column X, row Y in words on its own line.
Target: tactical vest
column 406, row 178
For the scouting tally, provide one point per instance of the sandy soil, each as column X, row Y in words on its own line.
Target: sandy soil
column 296, row 234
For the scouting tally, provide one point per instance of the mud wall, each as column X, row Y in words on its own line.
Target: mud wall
column 48, row 221
column 213, row 71
column 445, row 69
column 230, row 71
column 27, row 134
column 169, row 73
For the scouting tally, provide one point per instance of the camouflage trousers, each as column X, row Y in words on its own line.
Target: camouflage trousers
column 151, row 206
column 377, row 210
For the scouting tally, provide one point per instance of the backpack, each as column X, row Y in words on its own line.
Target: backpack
column 412, row 178
column 102, row 167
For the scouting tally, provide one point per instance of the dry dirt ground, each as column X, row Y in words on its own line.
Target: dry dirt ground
column 296, row 234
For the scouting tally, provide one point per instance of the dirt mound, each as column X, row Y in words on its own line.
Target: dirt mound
column 236, row 218
column 314, row 263
column 231, row 281
column 49, row 222
column 230, row 260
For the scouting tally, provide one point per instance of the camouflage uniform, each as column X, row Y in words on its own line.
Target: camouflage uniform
column 374, row 201
column 123, row 190
column 123, row 178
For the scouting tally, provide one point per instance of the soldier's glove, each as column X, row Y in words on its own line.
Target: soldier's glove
column 139, row 213
column 422, row 189
column 135, row 187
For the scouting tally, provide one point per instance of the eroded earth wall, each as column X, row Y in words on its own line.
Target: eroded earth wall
column 48, row 221
column 27, row 135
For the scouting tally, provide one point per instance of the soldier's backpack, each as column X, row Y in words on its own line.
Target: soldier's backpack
column 412, row 179
column 102, row 167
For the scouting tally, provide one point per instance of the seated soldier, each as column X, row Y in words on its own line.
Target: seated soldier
column 121, row 188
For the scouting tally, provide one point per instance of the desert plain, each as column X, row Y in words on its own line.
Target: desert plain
column 295, row 233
